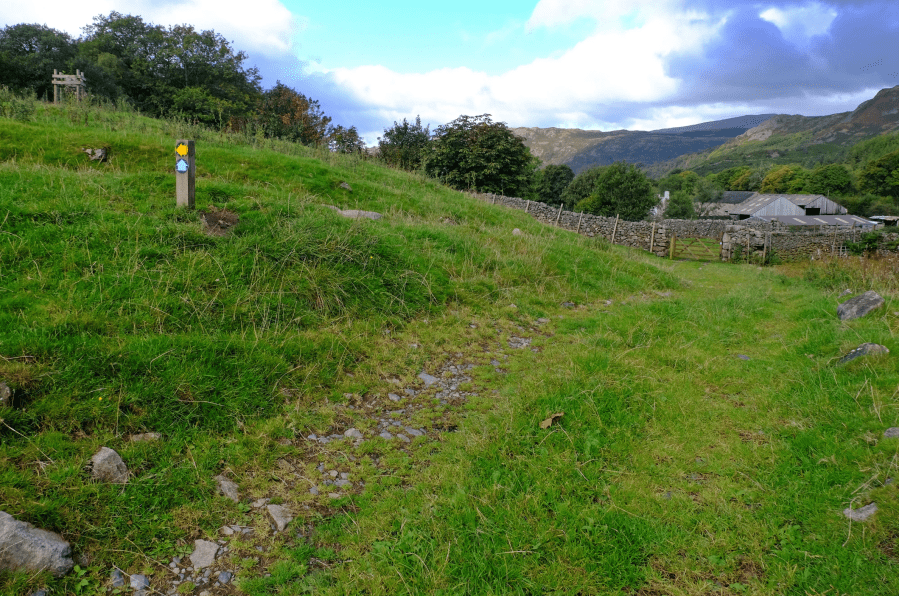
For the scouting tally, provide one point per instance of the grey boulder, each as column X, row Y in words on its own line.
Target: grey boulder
column 864, row 350
column 107, row 466
column 26, row 548
column 859, row 306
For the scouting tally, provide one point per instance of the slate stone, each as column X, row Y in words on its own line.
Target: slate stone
column 428, row 379
column 204, row 554
column 118, row 578
column 353, row 433
column 225, row 577
column 280, row 515
column 139, row 582
column 26, row 548
column 864, row 350
column 313, row 490
column 413, row 432
column 107, row 466
column 891, row 433
column 228, row 488
column 862, row 513
column 859, row 306
column 742, row 357
column 386, row 435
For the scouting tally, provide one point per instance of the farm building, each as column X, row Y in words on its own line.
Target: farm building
column 743, row 205
column 820, row 220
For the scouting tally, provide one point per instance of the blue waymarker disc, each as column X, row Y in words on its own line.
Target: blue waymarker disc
column 181, row 166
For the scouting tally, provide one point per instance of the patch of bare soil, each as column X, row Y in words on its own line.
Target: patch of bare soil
column 218, row 222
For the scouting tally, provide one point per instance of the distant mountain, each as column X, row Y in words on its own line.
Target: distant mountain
column 582, row 149
column 713, row 146
column 784, row 138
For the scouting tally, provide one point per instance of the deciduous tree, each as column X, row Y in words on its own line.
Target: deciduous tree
column 404, row 145
column 473, row 152
column 621, row 189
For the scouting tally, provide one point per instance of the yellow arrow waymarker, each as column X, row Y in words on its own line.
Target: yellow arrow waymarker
column 181, row 149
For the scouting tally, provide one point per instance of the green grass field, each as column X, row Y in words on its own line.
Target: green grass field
column 709, row 441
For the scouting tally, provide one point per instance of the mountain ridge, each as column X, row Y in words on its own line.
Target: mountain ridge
column 692, row 146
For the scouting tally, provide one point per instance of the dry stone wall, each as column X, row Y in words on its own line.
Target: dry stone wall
column 654, row 237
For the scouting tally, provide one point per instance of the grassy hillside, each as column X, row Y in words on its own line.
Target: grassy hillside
column 678, row 467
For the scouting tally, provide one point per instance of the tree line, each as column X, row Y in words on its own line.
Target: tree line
column 165, row 72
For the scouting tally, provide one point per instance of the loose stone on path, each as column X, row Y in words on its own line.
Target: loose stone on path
column 280, row 515
column 428, row 379
column 204, row 554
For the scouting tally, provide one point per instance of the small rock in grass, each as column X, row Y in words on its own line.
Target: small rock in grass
column 280, row 515
column 428, row 379
column 413, row 432
column 404, row 438
column 227, row 531
column 891, row 433
column 227, row 488
column 410, row 392
column 24, row 547
column 393, row 397
column 139, row 582
column 386, row 435
column 353, row 434
column 204, row 554
column 145, row 437
column 862, row 513
column 859, row 306
column 542, row 321
column 516, row 232
column 334, row 495
column 225, row 577
column 260, row 503
column 866, row 349
column 118, row 578
column 107, row 466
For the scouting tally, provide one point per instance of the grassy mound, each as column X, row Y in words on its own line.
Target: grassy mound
column 121, row 314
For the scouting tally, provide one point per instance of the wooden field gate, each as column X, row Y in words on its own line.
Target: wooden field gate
column 694, row 249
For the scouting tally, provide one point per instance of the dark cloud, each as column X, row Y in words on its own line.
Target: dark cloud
column 752, row 62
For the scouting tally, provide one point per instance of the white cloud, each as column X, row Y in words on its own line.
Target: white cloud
column 610, row 67
column 606, row 13
column 797, row 23
column 262, row 27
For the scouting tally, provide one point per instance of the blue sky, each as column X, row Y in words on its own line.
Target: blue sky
column 602, row 65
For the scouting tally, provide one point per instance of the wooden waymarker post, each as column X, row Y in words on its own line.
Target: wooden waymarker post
column 673, row 245
column 614, row 231
column 185, row 174
column 562, row 206
column 652, row 238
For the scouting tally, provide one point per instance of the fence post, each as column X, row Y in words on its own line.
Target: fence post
column 673, row 244
column 652, row 238
column 527, row 207
column 579, row 220
column 614, row 231
column 185, row 174
column 560, row 213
